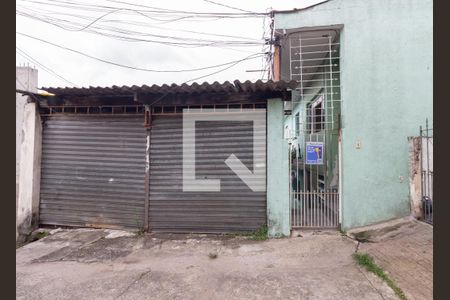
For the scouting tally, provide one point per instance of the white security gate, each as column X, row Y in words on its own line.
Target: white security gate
column 315, row 209
column 426, row 140
column 315, row 129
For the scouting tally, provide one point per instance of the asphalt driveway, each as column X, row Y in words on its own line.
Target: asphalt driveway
column 106, row 264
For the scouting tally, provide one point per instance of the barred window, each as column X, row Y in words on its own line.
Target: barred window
column 316, row 115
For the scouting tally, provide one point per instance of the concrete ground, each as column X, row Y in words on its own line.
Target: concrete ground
column 406, row 254
column 106, row 264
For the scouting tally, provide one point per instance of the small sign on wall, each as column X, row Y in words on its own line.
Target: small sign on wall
column 314, row 153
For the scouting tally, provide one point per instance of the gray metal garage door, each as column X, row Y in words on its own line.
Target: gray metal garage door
column 234, row 208
column 93, row 170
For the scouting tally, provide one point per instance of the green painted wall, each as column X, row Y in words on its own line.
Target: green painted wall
column 277, row 172
column 387, row 92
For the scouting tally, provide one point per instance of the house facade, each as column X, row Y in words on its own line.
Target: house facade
column 325, row 145
column 365, row 73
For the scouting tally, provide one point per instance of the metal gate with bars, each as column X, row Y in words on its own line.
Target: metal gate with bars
column 426, row 140
column 314, row 130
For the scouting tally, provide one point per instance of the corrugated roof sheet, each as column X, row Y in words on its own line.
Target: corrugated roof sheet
column 215, row 87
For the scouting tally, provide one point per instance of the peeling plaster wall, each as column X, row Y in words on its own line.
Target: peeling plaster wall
column 29, row 171
column 26, row 79
column 415, row 183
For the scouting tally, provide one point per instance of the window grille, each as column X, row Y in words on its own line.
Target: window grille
column 314, row 62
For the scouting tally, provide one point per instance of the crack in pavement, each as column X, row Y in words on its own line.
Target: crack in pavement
column 90, row 243
column 365, row 276
column 357, row 247
column 132, row 283
column 370, row 282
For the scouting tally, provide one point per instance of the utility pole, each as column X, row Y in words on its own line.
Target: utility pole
column 270, row 75
column 273, row 52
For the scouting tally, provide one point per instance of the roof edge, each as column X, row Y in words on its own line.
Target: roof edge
column 226, row 87
column 298, row 9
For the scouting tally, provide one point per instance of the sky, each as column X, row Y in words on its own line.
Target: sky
column 133, row 34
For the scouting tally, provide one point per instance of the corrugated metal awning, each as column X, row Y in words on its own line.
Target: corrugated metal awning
column 215, row 87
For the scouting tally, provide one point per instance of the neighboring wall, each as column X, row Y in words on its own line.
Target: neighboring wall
column 26, row 79
column 27, row 143
column 386, row 77
column 415, row 179
column 420, row 164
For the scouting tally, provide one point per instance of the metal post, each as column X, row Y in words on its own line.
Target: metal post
column 290, row 59
column 291, row 194
column 340, row 171
column 148, row 122
column 421, row 169
column 428, row 159
column 331, row 82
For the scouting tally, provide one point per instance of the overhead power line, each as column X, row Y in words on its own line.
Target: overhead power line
column 42, row 14
column 22, row 84
column 221, row 70
column 165, row 9
column 137, row 68
column 92, row 18
column 152, row 10
column 137, row 36
column 130, row 34
column 231, row 7
column 204, row 76
column 96, row 20
column 26, row 90
column 45, row 68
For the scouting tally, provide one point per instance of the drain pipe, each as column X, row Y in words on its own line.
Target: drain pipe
column 340, row 170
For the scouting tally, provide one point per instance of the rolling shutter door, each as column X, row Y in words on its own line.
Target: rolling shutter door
column 234, row 208
column 93, row 170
